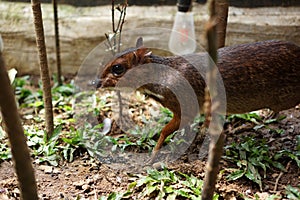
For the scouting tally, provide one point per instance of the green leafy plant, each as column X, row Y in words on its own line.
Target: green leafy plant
column 163, row 184
column 251, row 156
column 259, row 122
column 24, row 92
column 257, row 197
column 292, row 192
column 251, row 117
column 62, row 145
column 5, row 153
column 288, row 154
column 113, row 196
column 142, row 138
column 266, row 124
column 91, row 139
column 65, row 144
column 44, row 151
column 29, row 96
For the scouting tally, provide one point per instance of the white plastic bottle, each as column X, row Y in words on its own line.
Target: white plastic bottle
column 182, row 38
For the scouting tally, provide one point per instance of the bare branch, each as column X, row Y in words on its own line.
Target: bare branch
column 114, row 42
column 113, row 15
column 57, row 46
column 212, row 117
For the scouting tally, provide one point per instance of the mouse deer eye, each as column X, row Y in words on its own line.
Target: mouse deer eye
column 118, row 70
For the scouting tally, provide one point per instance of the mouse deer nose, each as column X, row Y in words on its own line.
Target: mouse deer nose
column 96, row 83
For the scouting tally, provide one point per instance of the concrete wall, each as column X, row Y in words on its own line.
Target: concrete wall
column 82, row 29
column 236, row 3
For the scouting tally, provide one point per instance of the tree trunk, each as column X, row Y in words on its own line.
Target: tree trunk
column 17, row 139
column 44, row 71
column 222, row 15
column 56, row 30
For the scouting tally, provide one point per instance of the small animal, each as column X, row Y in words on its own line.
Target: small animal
column 255, row 76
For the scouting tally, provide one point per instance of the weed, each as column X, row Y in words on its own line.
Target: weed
column 28, row 96
column 44, row 151
column 5, row 153
column 259, row 122
column 257, row 197
column 65, row 145
column 24, row 92
column 253, row 155
column 292, row 192
column 163, row 184
column 251, row 117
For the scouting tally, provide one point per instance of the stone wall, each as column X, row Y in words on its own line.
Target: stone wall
column 236, row 3
column 83, row 28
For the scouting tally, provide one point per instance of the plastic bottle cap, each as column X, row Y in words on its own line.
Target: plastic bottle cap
column 184, row 5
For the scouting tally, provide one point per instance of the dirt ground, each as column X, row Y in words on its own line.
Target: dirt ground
column 89, row 179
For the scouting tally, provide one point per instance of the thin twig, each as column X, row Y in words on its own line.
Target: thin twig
column 117, row 46
column 120, row 18
column 280, row 175
column 57, row 46
column 109, row 45
column 242, row 128
column 122, row 23
column 120, row 105
column 117, row 30
column 113, row 15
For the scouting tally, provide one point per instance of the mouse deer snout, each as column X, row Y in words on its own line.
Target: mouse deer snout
column 96, row 83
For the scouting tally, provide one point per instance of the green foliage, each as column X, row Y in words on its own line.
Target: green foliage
column 100, row 145
column 88, row 137
column 24, row 93
column 28, row 96
column 96, row 143
column 66, row 144
column 163, row 184
column 257, row 197
column 142, row 137
column 5, row 153
column 59, row 145
column 112, row 196
column 44, row 151
column 62, row 145
column 253, row 117
column 298, row 144
column 292, row 192
column 253, row 155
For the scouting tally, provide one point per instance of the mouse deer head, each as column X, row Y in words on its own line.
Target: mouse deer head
column 122, row 62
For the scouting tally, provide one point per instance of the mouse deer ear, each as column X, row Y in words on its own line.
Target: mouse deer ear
column 142, row 54
column 139, row 42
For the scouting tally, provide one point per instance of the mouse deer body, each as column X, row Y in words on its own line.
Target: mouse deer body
column 255, row 76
